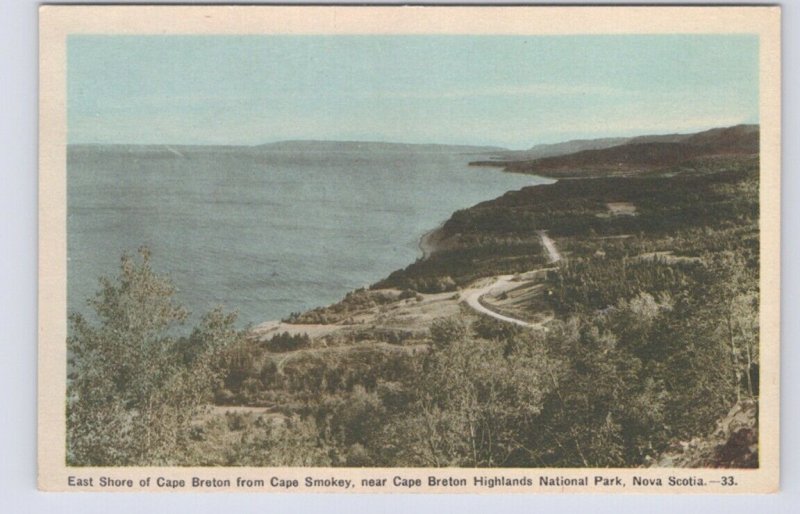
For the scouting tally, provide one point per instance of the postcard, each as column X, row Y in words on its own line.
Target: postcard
column 293, row 249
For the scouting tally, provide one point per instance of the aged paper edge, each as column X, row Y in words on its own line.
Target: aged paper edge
column 57, row 22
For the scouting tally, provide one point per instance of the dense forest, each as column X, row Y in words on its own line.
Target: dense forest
column 653, row 338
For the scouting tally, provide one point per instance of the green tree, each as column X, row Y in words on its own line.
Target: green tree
column 475, row 401
column 134, row 385
column 737, row 309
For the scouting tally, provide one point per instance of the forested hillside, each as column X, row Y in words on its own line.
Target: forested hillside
column 652, row 337
column 645, row 154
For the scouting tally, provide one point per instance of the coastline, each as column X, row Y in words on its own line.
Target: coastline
column 430, row 242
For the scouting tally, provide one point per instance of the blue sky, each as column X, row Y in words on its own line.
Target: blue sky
column 513, row 91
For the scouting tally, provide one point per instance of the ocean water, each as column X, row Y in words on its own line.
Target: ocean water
column 262, row 232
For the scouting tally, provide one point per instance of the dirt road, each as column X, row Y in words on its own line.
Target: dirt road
column 550, row 246
column 472, row 296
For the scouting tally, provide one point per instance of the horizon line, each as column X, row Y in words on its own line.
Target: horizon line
column 386, row 142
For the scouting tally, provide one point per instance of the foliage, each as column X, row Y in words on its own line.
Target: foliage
column 354, row 302
column 473, row 405
column 287, row 342
column 655, row 339
column 134, row 386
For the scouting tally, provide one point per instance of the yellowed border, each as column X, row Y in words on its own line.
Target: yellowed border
column 56, row 22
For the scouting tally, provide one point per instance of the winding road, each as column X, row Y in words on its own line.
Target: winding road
column 550, row 246
column 472, row 296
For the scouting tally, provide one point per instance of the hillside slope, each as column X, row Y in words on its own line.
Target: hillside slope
column 645, row 154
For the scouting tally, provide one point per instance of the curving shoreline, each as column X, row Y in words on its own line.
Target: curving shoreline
column 430, row 242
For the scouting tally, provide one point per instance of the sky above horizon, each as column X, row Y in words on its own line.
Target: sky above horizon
column 510, row 91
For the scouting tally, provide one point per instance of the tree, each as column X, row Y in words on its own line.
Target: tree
column 738, row 303
column 134, row 385
column 475, row 401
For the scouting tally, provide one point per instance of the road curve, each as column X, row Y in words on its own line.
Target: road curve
column 472, row 296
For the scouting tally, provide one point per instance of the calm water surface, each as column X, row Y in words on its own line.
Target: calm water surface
column 265, row 233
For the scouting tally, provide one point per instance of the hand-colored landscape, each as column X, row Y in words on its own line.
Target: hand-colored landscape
column 609, row 318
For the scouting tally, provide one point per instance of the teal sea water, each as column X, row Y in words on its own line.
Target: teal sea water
column 263, row 232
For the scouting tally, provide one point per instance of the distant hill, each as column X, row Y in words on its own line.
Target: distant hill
column 149, row 151
column 643, row 154
column 736, row 139
column 567, row 147
column 300, row 146
column 374, row 146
